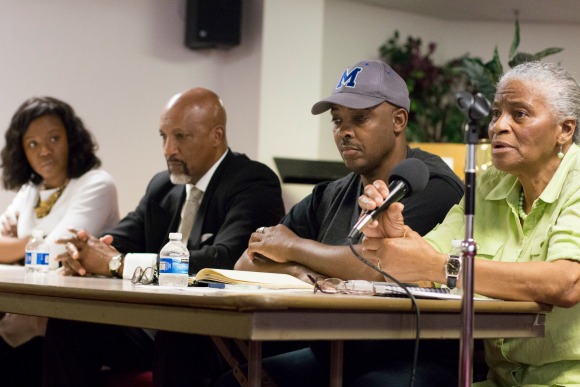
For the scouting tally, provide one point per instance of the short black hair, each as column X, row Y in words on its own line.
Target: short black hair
column 82, row 147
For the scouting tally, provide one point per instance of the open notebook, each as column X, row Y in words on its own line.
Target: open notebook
column 238, row 277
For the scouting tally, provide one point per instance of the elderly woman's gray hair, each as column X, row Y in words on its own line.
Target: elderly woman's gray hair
column 559, row 86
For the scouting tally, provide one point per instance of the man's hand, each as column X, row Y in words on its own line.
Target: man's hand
column 272, row 243
column 266, row 265
column 86, row 254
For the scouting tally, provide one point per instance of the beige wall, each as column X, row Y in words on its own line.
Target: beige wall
column 117, row 62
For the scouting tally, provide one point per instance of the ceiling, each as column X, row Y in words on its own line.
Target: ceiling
column 540, row 11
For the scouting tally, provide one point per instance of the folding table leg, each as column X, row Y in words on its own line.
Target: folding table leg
column 253, row 354
column 336, row 362
column 231, row 360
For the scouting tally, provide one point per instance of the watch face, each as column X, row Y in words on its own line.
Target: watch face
column 453, row 266
column 115, row 263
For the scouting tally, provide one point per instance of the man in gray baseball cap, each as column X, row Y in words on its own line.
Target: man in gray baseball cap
column 367, row 84
column 369, row 106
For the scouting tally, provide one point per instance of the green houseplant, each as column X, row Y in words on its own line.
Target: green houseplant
column 482, row 76
column 434, row 116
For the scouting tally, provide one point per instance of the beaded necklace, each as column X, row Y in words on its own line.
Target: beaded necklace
column 43, row 207
column 521, row 212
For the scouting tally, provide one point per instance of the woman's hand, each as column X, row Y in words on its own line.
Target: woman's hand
column 390, row 223
column 408, row 259
column 10, row 226
column 402, row 252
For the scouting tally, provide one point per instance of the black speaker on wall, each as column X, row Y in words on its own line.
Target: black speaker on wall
column 213, row 23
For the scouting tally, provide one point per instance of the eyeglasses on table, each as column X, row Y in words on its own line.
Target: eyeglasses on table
column 338, row 286
column 143, row 276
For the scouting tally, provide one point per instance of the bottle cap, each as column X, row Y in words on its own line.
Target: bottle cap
column 37, row 234
column 456, row 243
column 175, row 235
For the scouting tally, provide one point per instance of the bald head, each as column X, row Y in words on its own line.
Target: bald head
column 193, row 128
column 201, row 102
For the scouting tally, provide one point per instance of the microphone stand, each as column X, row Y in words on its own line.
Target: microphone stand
column 469, row 249
column 475, row 109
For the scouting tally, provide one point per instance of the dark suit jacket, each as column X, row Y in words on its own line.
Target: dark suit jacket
column 241, row 196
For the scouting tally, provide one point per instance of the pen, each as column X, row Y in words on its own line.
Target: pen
column 218, row 285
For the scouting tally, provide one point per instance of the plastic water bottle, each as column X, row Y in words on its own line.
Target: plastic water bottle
column 456, row 248
column 37, row 252
column 174, row 262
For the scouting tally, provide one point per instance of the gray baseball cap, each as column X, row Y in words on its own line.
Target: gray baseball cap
column 364, row 85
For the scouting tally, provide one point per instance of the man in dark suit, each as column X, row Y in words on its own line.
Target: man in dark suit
column 238, row 195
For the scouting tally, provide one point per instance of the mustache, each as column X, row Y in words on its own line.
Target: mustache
column 347, row 142
column 174, row 160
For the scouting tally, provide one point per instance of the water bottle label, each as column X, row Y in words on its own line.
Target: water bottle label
column 28, row 258
column 173, row 265
column 42, row 258
column 36, row 258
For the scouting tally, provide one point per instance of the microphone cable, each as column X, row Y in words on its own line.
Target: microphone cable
column 413, row 301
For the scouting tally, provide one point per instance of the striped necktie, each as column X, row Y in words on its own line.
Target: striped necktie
column 189, row 211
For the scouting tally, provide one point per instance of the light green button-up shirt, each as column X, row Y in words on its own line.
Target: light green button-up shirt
column 551, row 231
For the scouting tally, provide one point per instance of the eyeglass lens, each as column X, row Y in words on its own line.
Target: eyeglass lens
column 143, row 276
column 336, row 285
column 137, row 274
column 148, row 276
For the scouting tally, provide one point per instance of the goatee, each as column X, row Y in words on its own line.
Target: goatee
column 179, row 178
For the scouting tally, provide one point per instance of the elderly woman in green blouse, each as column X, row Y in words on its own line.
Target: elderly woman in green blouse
column 527, row 225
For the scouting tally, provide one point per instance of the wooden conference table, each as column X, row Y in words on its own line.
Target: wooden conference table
column 258, row 315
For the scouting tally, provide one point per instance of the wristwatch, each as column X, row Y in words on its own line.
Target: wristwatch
column 115, row 263
column 452, row 270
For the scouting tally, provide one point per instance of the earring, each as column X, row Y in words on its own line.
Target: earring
column 561, row 153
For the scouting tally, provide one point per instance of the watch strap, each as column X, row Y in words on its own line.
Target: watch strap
column 451, row 282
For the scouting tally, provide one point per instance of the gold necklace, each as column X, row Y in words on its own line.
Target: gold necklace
column 44, row 207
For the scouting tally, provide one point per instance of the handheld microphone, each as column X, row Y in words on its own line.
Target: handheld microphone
column 409, row 177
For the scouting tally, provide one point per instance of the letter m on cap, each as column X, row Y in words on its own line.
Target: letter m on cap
column 348, row 78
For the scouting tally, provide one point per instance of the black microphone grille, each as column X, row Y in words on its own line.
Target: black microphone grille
column 413, row 172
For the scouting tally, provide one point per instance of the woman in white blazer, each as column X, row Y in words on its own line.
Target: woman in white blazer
column 49, row 157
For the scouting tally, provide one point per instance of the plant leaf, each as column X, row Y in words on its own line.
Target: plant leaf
column 494, row 66
column 521, row 57
column 548, row 51
column 473, row 67
column 516, row 41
